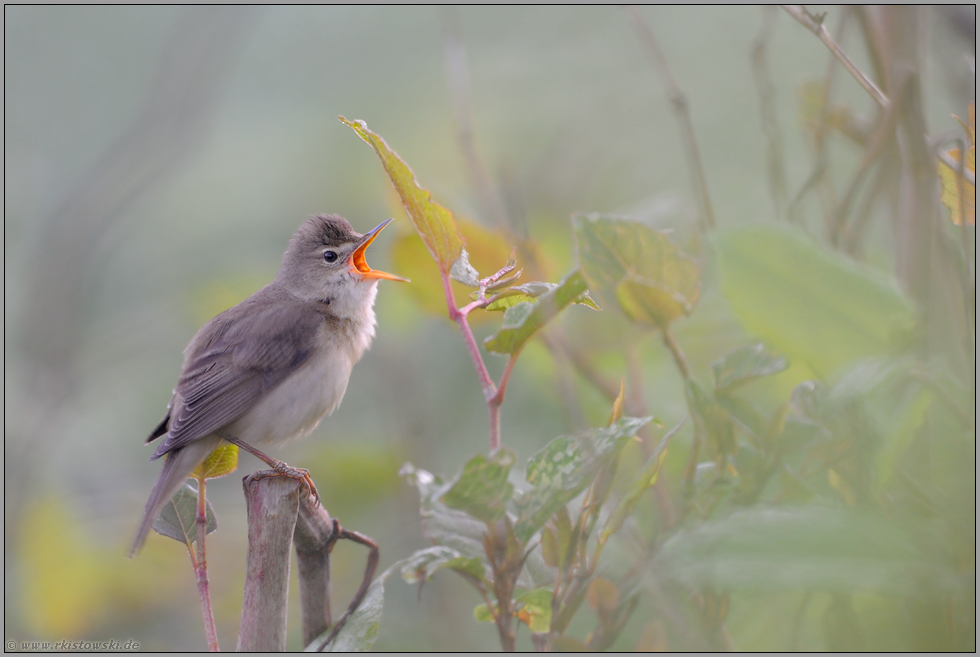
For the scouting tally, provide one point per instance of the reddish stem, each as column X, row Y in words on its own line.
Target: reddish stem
column 498, row 398
column 489, row 388
column 201, row 569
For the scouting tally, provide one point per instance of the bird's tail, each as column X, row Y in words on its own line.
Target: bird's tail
column 177, row 467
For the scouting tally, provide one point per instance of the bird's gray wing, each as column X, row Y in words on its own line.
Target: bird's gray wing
column 235, row 360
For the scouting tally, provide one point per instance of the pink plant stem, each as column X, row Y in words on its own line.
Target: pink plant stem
column 201, row 570
column 498, row 398
column 489, row 388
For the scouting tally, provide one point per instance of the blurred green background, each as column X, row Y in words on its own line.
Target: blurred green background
column 157, row 160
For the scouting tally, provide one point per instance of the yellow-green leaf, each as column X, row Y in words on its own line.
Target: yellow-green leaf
column 535, row 610
column 642, row 269
column 617, row 407
column 222, row 461
column 487, row 250
column 951, row 187
column 434, row 223
column 603, row 596
column 482, row 614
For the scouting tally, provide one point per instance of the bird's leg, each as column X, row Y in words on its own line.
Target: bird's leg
column 279, row 468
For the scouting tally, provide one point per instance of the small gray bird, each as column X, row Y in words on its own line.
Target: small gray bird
column 269, row 369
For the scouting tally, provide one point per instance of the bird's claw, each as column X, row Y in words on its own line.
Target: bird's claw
column 280, row 469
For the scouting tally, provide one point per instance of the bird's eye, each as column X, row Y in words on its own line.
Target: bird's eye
column 329, row 256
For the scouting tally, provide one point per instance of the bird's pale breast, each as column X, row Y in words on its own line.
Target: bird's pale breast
column 295, row 407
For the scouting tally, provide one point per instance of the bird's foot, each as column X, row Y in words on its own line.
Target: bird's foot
column 280, row 469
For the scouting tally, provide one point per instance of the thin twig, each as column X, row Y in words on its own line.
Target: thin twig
column 493, row 396
column 489, row 388
column 675, row 350
column 827, row 195
column 882, row 135
column 767, row 107
column 201, row 568
column 372, row 565
column 854, row 231
column 498, row 398
column 679, row 102
column 815, row 25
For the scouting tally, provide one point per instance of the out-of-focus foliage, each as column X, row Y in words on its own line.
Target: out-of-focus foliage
column 813, row 305
column 642, row 269
column 813, row 356
column 953, row 183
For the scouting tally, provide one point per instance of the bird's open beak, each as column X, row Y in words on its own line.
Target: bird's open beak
column 357, row 262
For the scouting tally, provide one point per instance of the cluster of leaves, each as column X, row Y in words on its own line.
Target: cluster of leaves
column 521, row 549
column 812, row 495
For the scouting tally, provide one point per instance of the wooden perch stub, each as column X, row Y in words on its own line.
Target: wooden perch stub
column 281, row 513
column 314, row 537
column 273, row 504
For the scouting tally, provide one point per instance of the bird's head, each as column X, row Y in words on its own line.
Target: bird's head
column 325, row 262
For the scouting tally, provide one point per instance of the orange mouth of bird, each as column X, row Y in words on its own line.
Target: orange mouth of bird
column 358, row 261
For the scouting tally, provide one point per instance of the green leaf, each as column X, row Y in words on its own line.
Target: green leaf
column 361, row 630
column 811, row 304
column 744, row 365
column 440, row 524
column 434, row 223
column 482, row 489
column 463, row 272
column 178, row 518
column 814, row 547
column 423, row 564
column 534, row 609
column 644, row 479
column 564, row 467
column 528, row 292
column 640, row 268
column 524, row 319
column 220, row 462
column 482, row 614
